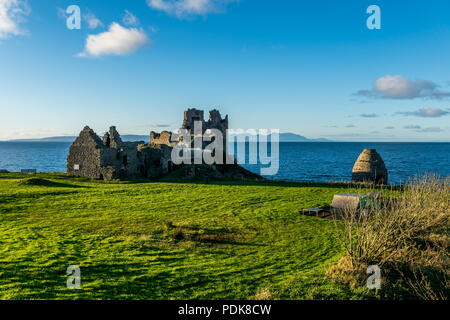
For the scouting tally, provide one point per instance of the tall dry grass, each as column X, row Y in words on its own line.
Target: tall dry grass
column 406, row 235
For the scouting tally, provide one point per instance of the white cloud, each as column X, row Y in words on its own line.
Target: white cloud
column 398, row 87
column 181, row 8
column 130, row 19
column 12, row 14
column 426, row 112
column 117, row 40
column 92, row 21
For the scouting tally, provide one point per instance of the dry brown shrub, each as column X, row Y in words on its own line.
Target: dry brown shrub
column 406, row 235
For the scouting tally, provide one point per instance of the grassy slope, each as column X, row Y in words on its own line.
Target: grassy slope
column 238, row 238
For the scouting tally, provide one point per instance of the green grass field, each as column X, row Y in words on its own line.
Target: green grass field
column 164, row 240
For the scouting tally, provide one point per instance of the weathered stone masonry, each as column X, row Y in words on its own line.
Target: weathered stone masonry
column 112, row 158
column 370, row 167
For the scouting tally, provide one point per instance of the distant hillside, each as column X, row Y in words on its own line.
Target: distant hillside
column 284, row 137
column 293, row 137
column 125, row 137
column 48, row 139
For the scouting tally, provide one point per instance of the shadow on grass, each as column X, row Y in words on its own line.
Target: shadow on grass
column 204, row 235
column 48, row 183
column 287, row 184
column 193, row 181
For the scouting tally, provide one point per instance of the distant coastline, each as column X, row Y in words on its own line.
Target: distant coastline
column 284, row 137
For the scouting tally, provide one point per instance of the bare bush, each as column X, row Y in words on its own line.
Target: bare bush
column 406, row 233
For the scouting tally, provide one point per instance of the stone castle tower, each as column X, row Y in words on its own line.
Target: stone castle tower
column 215, row 120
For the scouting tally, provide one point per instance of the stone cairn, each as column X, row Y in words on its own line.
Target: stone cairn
column 369, row 167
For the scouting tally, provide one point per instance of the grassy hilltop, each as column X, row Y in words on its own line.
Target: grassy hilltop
column 141, row 240
column 224, row 240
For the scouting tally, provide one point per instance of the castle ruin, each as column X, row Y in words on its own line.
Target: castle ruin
column 112, row 158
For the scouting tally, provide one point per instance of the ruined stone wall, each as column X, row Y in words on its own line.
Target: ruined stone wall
column 125, row 162
column 84, row 162
column 130, row 160
column 112, row 138
column 190, row 116
column 156, row 159
column 163, row 138
column 84, row 155
column 215, row 121
column 108, row 159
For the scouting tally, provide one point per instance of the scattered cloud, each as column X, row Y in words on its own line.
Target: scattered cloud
column 418, row 128
column 117, row 40
column 389, row 127
column 412, row 127
column 130, row 19
column 12, row 14
column 426, row 112
column 182, row 8
column 398, row 87
column 365, row 93
column 350, row 126
column 369, row 115
column 92, row 21
column 431, row 129
column 374, row 132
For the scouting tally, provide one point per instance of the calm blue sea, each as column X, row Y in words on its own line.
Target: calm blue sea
column 311, row 161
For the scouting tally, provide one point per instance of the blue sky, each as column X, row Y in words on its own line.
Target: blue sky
column 308, row 67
